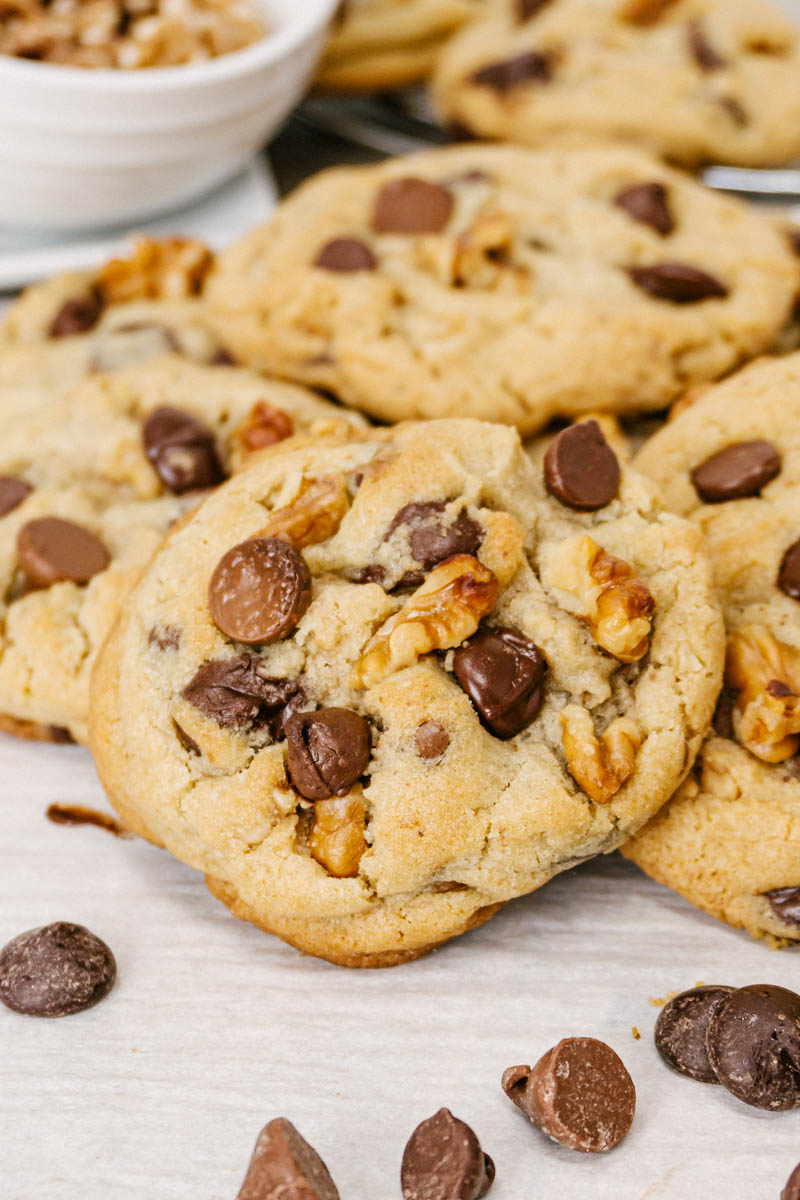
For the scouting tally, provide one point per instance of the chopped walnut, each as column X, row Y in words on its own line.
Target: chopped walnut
column 443, row 612
column 644, row 12
column 502, row 548
column 604, row 591
column 169, row 269
column 766, row 674
column 599, row 765
column 337, row 839
column 481, row 249
column 264, row 426
column 313, row 516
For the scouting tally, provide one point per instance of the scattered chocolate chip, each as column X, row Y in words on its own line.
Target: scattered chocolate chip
column 259, row 591
column 285, row 1167
column 701, row 49
column 51, row 550
column 648, row 203
column 529, row 8
column 502, row 672
column 753, row 1042
column 785, row 903
column 579, row 1094
column 792, row 1189
column 346, row 255
column 677, row 283
column 77, row 315
column 12, row 492
column 327, row 751
column 77, row 814
column 581, row 469
column 235, row 694
column 431, row 740
column 181, row 450
column 722, row 721
column 443, row 1160
column 502, row 77
column 429, row 539
column 55, row 970
column 738, row 471
column 789, row 574
column 735, row 110
column 164, row 637
column 412, row 205
column 680, row 1031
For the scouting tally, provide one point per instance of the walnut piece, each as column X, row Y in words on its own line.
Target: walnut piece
column 313, row 516
column 482, row 248
column 166, row 269
column 644, row 12
column 337, row 839
column 264, row 426
column 599, row 765
column 445, row 610
column 606, row 593
column 766, row 674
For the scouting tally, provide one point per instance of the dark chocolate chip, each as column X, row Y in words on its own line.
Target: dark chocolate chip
column 188, row 743
column 429, row 539
column 738, row 471
column 55, row 970
column 235, row 694
column 411, row 205
column 285, row 1167
column 431, row 740
column 648, row 203
column 12, row 492
column 680, row 1031
column 327, row 751
column 789, row 574
column 753, row 1042
column 502, row 672
column 346, row 255
column 785, row 903
column 677, row 283
column 259, row 591
column 529, row 8
column 581, row 469
column 51, row 550
column 164, row 637
column 181, row 450
column 792, row 1189
column 703, row 53
column 443, row 1160
column 77, row 315
column 502, row 77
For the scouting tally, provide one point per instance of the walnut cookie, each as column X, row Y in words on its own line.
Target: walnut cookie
column 375, row 690
column 694, row 81
column 730, row 839
column 506, row 284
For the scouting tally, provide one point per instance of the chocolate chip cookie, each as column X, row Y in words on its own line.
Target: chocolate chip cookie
column 695, row 81
column 504, row 283
column 374, row 689
column 730, row 840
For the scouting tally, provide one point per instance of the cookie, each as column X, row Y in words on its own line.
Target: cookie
column 694, row 81
column 503, row 283
column 375, row 689
column 730, row 840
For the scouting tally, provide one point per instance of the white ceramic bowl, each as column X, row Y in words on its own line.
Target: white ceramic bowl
column 82, row 148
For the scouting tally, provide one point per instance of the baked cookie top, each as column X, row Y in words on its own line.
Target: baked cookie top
column 504, row 283
column 693, row 80
column 367, row 683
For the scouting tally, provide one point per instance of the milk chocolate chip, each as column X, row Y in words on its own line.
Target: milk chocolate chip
column 412, row 205
column 181, row 450
column 443, row 1160
column 259, row 591
column 677, row 283
column 502, row 672
column 77, row 315
column 51, row 550
column 235, row 694
column 285, row 1167
column 504, row 76
column 648, row 203
column 55, row 970
column 789, row 574
column 12, row 492
column 680, row 1031
column 327, row 751
column 739, row 470
column 345, row 255
column 431, row 740
column 753, row 1041
column 581, row 469
column 792, row 1189
column 785, row 903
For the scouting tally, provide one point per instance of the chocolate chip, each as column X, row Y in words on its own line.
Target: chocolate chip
column 188, row 743
column 12, row 492
column 429, row 539
column 443, row 1160
column 680, row 1031
column 529, row 8
column 285, row 1167
column 164, row 637
column 431, row 740
column 789, row 574
column 182, row 450
column 792, row 1189
column 259, row 591
column 502, row 672
column 532, row 67
column 579, row 1094
column 412, row 205
column 327, row 751
column 77, row 315
column 735, row 110
column 722, row 721
column 51, row 550
column 753, row 1042
column 678, row 283
column 785, row 903
column 738, row 471
column 648, row 203
column 701, row 49
column 581, row 469
column 55, row 970
column 235, row 694
column 346, row 255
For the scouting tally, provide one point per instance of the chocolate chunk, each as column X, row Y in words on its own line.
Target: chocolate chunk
column 374, row 573
column 430, row 540
column 648, row 203
column 327, row 751
column 164, row 637
column 188, row 743
column 785, row 903
column 51, row 550
column 680, row 1031
column 55, row 970
column 753, row 1042
column 502, row 672
column 181, row 450
column 502, row 77
column 581, row 469
column 412, row 205
column 579, row 1094
column 678, row 283
column 259, row 591
column 789, row 574
column 235, row 694
column 431, row 740
column 285, row 1167
column 739, row 470
column 12, row 492
column 792, row 1189
column 77, row 315
column 701, row 49
column 443, row 1160
column 529, row 8
column 346, row 255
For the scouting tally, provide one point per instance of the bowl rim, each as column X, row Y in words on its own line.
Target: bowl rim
column 301, row 23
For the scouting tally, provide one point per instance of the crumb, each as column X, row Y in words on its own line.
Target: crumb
column 635, row 1032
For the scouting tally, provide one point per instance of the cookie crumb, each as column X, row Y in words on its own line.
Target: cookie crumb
column 635, row 1032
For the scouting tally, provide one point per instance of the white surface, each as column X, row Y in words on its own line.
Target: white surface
column 213, row 1028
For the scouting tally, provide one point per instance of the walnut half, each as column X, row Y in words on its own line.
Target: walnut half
column 766, row 674
column 313, row 516
column 599, row 765
column 337, row 839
